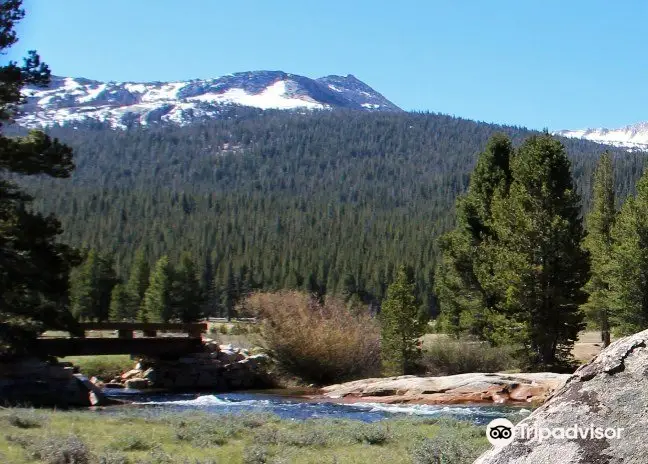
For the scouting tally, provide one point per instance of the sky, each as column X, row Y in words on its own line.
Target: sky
column 565, row 64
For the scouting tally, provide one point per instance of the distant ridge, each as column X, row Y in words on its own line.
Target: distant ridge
column 122, row 104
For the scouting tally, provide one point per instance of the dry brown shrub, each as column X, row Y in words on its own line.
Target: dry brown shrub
column 321, row 343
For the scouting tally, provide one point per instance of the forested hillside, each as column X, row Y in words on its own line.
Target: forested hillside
column 325, row 201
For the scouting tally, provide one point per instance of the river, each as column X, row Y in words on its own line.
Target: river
column 299, row 408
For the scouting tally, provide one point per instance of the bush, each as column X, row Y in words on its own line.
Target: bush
column 448, row 357
column 372, row 434
column 320, row 343
column 446, row 448
column 130, row 442
column 112, row 458
column 256, row 455
column 26, row 419
column 56, row 449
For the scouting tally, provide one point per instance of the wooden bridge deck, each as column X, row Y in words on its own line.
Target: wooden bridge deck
column 126, row 342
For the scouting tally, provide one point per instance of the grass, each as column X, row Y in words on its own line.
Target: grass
column 105, row 367
column 130, row 436
column 445, row 356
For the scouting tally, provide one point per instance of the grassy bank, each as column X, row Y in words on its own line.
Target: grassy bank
column 106, row 367
column 128, row 437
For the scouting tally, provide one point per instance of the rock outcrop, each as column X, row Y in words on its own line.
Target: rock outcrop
column 609, row 393
column 218, row 368
column 47, row 383
column 452, row 389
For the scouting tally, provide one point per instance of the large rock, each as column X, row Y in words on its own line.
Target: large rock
column 42, row 383
column 610, row 392
column 451, row 389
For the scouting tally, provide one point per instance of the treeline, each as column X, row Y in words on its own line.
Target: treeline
column 161, row 294
column 520, row 268
column 331, row 202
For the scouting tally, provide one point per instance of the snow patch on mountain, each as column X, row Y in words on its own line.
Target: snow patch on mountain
column 122, row 104
column 632, row 137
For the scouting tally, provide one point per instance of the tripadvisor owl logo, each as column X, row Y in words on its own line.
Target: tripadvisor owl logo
column 500, row 432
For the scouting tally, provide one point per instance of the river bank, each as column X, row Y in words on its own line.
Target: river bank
column 122, row 436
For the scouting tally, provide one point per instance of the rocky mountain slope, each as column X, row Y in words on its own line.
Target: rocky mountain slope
column 123, row 104
column 634, row 137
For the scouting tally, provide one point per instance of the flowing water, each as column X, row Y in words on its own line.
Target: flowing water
column 299, row 408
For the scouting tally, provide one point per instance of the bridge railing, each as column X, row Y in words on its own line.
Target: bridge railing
column 126, row 342
column 149, row 329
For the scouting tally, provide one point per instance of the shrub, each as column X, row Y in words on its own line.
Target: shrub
column 448, row 357
column 26, row 419
column 372, row 434
column 317, row 342
column 112, row 458
column 446, row 448
column 57, row 449
column 130, row 442
column 255, row 455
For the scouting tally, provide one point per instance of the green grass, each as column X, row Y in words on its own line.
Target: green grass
column 134, row 437
column 106, row 367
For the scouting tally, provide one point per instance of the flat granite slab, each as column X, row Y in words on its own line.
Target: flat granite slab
column 497, row 388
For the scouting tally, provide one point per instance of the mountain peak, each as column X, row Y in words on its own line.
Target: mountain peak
column 122, row 104
column 633, row 136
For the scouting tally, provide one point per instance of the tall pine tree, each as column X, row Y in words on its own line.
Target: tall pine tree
column 34, row 265
column 400, row 326
column 138, row 282
column 463, row 276
column 628, row 277
column 156, row 306
column 538, row 261
column 186, row 294
column 598, row 242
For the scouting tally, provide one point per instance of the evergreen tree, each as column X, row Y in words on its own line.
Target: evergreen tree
column 119, row 304
column 400, row 326
column 137, row 284
column 84, row 288
column 156, row 306
column 229, row 294
column 599, row 244
column 628, row 277
column 463, row 285
column 34, row 266
column 186, row 294
column 208, row 287
column 539, row 264
column 91, row 287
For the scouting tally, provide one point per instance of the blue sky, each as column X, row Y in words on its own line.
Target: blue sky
column 555, row 64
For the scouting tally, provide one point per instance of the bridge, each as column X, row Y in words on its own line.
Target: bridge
column 186, row 338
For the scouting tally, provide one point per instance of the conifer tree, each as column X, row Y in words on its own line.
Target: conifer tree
column 463, row 277
column 34, row 265
column 186, row 293
column 91, row 287
column 138, row 282
column 84, row 289
column 400, row 326
column 598, row 242
column 208, row 287
column 538, row 261
column 628, row 277
column 119, row 304
column 156, row 306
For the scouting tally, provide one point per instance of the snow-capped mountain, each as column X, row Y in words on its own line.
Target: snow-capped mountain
column 122, row 104
column 633, row 137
